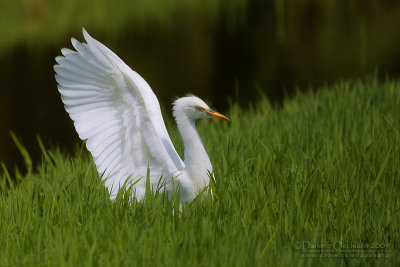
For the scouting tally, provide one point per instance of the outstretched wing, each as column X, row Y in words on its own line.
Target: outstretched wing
column 115, row 109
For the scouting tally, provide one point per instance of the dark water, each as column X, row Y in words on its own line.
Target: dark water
column 274, row 49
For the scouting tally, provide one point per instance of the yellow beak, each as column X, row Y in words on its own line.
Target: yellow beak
column 216, row 115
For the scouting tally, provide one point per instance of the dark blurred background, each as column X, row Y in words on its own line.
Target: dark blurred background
column 213, row 49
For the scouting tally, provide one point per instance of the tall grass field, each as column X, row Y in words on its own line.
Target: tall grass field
column 313, row 182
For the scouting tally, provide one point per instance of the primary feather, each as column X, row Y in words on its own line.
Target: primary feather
column 115, row 109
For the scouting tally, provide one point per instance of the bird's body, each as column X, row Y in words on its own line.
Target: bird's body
column 115, row 109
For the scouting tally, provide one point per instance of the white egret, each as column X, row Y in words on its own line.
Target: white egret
column 115, row 109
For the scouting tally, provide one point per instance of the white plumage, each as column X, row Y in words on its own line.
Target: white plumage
column 115, row 109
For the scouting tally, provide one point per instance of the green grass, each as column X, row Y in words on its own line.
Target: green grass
column 323, row 169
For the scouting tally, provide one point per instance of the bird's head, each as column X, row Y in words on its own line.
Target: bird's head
column 195, row 108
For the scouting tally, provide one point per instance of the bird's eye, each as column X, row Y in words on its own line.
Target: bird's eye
column 199, row 108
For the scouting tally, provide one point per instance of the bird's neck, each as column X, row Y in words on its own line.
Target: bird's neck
column 197, row 162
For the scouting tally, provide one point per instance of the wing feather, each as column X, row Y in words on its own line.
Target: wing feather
column 115, row 109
